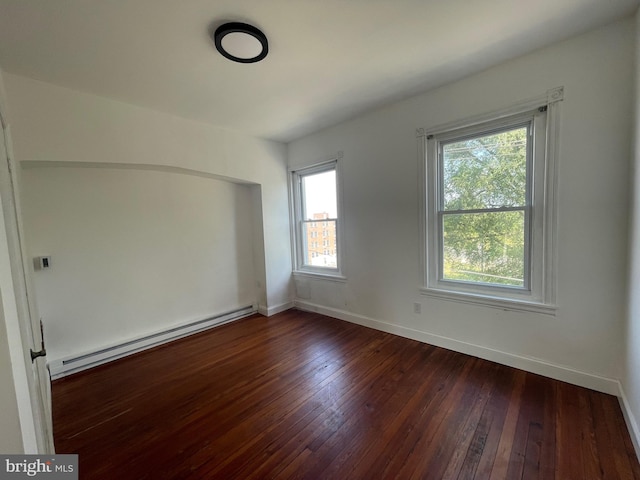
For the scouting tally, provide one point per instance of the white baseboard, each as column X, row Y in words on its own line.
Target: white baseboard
column 76, row 363
column 630, row 419
column 268, row 311
column 533, row 365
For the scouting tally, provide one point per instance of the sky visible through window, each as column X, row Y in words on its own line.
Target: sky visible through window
column 320, row 194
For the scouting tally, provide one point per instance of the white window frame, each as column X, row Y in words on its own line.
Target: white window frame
column 538, row 293
column 295, row 187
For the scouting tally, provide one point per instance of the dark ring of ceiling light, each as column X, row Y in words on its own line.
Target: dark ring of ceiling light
column 237, row 27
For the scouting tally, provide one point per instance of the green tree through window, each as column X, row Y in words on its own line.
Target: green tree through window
column 484, row 208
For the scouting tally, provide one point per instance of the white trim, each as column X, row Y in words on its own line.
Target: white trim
column 529, row 364
column 30, row 425
column 318, row 162
column 61, row 367
column 489, row 301
column 552, row 154
column 425, row 196
column 14, row 339
column 630, row 420
column 268, row 311
column 555, row 95
column 4, row 116
column 320, row 276
column 551, row 97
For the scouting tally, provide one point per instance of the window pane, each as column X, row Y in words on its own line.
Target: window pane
column 317, row 253
column 320, row 199
column 486, row 172
column 484, row 247
column 319, row 205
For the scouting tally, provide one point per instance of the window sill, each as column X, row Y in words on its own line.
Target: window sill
column 489, row 301
column 332, row 277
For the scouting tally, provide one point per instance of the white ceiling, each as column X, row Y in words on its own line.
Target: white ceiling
column 329, row 60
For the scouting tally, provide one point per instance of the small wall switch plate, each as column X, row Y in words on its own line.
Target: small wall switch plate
column 417, row 307
column 42, row 263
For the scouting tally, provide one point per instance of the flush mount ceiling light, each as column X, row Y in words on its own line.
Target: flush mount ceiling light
column 240, row 42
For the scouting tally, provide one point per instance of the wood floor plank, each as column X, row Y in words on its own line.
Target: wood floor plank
column 591, row 459
column 534, row 416
column 527, row 448
column 303, row 396
column 625, row 467
column 482, row 453
column 468, row 433
column 503, row 456
column 569, row 452
column 548, row 448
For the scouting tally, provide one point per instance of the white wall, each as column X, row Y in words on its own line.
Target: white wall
column 631, row 376
column 134, row 251
column 51, row 123
column 582, row 342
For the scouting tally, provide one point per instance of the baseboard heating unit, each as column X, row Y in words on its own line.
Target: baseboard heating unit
column 73, row 364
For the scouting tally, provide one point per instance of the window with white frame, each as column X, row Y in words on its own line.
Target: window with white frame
column 315, row 201
column 489, row 198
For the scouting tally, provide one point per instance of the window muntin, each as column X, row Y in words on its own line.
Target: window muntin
column 315, row 198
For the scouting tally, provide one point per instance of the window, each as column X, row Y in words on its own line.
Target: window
column 315, row 195
column 489, row 198
column 485, row 207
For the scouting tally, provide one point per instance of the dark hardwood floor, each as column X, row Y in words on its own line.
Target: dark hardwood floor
column 299, row 395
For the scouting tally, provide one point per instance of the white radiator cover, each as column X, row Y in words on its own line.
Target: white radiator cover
column 65, row 366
